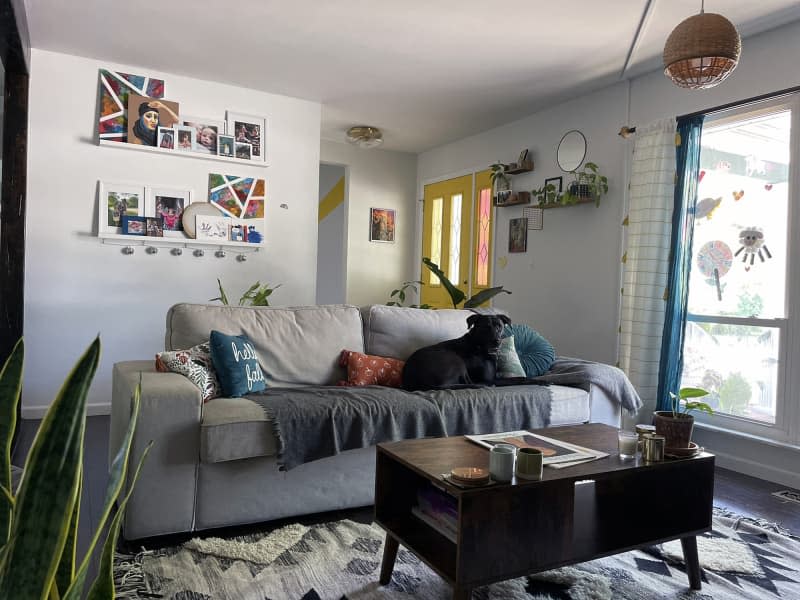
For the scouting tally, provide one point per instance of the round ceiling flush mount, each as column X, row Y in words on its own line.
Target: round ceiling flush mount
column 365, row 136
column 702, row 51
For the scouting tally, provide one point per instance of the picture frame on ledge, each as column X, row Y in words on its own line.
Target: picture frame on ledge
column 518, row 235
column 225, row 146
column 207, row 133
column 134, row 225
column 117, row 200
column 168, row 204
column 249, row 129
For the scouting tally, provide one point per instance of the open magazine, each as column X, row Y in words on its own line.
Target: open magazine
column 557, row 454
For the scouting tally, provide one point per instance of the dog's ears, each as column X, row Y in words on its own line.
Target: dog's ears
column 471, row 320
column 505, row 319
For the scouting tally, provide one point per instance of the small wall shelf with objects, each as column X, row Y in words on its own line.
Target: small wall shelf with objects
column 502, row 193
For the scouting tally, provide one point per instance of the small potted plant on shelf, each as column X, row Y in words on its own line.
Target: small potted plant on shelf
column 588, row 184
column 676, row 424
column 500, row 181
column 547, row 194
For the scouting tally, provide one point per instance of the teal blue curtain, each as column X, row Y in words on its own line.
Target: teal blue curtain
column 687, row 143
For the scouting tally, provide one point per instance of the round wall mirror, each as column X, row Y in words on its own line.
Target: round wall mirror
column 571, row 150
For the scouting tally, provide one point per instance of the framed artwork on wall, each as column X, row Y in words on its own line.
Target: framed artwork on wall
column 146, row 115
column 381, row 225
column 249, row 129
column 237, row 197
column 518, row 235
column 185, row 138
column 112, row 124
column 117, row 200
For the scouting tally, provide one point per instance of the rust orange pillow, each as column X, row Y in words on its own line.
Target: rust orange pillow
column 363, row 369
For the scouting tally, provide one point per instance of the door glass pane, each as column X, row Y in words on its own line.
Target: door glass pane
column 454, row 272
column 482, row 247
column 741, row 217
column 737, row 364
column 436, row 237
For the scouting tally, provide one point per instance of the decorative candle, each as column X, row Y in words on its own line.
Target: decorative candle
column 628, row 442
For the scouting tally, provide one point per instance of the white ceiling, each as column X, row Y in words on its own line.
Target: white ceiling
column 425, row 71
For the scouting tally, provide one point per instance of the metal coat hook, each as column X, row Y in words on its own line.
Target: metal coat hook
column 199, row 253
column 220, row 253
column 176, row 251
column 152, row 250
column 241, row 258
column 128, row 250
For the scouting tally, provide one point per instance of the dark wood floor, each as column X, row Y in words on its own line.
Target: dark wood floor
column 742, row 494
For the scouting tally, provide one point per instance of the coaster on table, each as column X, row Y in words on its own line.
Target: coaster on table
column 449, row 479
column 470, row 475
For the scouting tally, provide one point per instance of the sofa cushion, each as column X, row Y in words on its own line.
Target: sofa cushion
column 236, row 363
column 296, row 346
column 235, row 428
column 195, row 364
column 535, row 353
column 398, row 331
column 365, row 369
column 508, row 364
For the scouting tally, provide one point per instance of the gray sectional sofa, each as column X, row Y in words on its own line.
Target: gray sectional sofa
column 215, row 464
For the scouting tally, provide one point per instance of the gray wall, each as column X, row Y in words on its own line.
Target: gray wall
column 332, row 241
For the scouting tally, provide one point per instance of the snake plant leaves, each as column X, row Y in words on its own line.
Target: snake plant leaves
column 49, row 489
column 456, row 295
column 66, row 566
column 103, row 586
column 116, row 479
column 10, row 388
column 484, row 296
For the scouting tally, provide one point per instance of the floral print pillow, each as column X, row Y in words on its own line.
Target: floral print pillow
column 194, row 364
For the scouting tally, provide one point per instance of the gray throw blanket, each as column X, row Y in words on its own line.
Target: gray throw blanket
column 315, row 422
column 611, row 380
column 472, row 411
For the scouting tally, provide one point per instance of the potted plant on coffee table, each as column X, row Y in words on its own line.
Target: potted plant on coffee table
column 676, row 424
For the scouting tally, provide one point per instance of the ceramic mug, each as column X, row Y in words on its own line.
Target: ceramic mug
column 501, row 462
column 529, row 463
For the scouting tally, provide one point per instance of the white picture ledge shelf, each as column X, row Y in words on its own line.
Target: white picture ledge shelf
column 118, row 239
column 194, row 155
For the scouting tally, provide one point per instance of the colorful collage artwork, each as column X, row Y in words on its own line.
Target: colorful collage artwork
column 238, row 197
column 114, row 90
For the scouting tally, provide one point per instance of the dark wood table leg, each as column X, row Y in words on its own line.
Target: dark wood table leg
column 462, row 593
column 689, row 545
column 389, row 556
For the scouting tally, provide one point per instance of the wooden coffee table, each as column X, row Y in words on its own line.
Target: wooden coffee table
column 572, row 515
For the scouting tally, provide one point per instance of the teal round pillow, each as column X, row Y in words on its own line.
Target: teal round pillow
column 535, row 353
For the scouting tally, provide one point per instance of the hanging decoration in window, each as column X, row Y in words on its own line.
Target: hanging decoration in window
column 752, row 243
column 714, row 261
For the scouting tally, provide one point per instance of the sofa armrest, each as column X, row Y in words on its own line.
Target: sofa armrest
column 170, row 412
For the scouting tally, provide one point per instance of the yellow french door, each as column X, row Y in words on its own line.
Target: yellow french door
column 452, row 239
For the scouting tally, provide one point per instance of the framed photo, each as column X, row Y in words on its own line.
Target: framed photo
column 381, row 225
column 237, row 230
column 168, row 204
column 166, row 138
column 146, row 115
column 212, row 229
column 155, row 227
column 185, row 138
column 557, row 183
column 502, row 197
column 117, row 200
column 523, row 156
column 518, row 235
column 244, row 150
column 225, row 145
column 207, row 132
column 249, row 129
column 134, row 225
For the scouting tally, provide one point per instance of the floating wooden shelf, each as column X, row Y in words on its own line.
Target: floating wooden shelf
column 514, row 199
column 516, row 169
column 195, row 155
column 559, row 205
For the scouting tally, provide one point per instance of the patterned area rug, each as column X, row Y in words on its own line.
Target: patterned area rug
column 340, row 560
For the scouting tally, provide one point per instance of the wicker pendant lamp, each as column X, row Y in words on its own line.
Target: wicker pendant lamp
column 702, row 51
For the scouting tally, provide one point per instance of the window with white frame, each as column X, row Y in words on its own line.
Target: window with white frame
column 741, row 290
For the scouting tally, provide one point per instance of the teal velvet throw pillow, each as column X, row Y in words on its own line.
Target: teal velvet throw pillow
column 535, row 353
column 236, row 363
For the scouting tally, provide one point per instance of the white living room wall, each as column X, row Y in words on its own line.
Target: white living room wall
column 566, row 285
column 562, row 285
column 77, row 288
column 376, row 179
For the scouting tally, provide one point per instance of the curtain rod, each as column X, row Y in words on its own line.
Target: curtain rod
column 752, row 100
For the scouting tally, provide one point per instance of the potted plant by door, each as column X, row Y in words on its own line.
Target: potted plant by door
column 676, row 424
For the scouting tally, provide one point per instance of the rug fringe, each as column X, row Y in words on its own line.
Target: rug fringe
column 129, row 580
column 758, row 522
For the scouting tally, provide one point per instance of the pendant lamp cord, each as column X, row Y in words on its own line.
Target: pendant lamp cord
column 702, row 6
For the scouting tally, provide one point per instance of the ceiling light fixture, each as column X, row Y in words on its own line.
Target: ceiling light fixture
column 702, row 51
column 365, row 136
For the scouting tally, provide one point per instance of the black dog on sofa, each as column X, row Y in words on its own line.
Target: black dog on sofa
column 470, row 359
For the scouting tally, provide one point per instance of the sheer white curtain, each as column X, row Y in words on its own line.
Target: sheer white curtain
column 645, row 260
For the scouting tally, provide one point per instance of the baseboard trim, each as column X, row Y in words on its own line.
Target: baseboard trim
column 757, row 469
column 38, row 412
